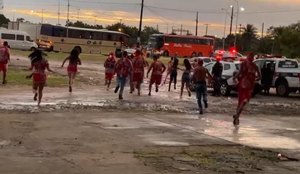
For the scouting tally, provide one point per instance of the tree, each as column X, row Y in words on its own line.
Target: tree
column 147, row 32
column 81, row 24
column 248, row 39
column 3, row 20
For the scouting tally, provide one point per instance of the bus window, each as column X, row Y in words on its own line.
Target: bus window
column 59, row 31
column 109, row 36
column 20, row 37
column 74, row 33
column 8, row 36
column 98, row 36
column 47, row 30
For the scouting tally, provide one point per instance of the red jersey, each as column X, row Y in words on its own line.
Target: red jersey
column 110, row 65
column 39, row 67
column 138, row 64
column 157, row 68
column 4, row 55
column 123, row 67
column 247, row 75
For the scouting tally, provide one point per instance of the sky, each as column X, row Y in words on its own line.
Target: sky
column 164, row 14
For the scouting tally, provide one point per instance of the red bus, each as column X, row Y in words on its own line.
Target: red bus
column 184, row 46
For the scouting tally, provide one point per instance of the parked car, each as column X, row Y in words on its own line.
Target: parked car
column 286, row 77
column 206, row 60
column 17, row 39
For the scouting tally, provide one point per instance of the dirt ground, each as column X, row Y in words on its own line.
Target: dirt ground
column 90, row 131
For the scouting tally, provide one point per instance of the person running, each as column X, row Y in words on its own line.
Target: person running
column 169, row 70
column 123, row 69
column 217, row 70
column 157, row 68
column 74, row 60
column 4, row 59
column 38, row 66
column 199, row 79
column 248, row 74
column 186, row 77
column 173, row 75
column 138, row 72
column 109, row 65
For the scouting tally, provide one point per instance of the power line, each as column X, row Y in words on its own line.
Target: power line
column 97, row 2
column 185, row 11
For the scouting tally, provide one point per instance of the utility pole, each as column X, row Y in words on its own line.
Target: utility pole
column 58, row 13
column 206, row 30
column 197, row 21
column 157, row 27
column 262, row 30
column 231, row 19
column 78, row 11
column 68, row 18
column 43, row 16
column 141, row 22
column 181, row 29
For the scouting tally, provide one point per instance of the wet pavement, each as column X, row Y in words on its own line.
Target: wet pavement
column 91, row 130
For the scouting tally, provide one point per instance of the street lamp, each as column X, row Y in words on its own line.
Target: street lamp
column 225, row 25
column 237, row 19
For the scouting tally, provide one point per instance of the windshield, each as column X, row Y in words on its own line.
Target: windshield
column 288, row 64
column 29, row 39
column 156, row 42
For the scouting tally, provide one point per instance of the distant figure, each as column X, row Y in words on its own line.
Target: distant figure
column 267, row 78
column 4, row 59
column 123, row 69
column 74, row 61
column 248, row 74
column 199, row 78
column 157, row 68
column 186, row 77
column 138, row 72
column 173, row 75
column 217, row 77
column 38, row 65
column 109, row 65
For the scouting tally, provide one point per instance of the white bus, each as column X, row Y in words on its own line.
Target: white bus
column 91, row 41
column 17, row 39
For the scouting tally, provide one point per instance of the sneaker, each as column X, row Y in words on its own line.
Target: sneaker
column 35, row 97
column 120, row 97
column 190, row 94
column 205, row 105
column 201, row 112
column 70, row 88
column 4, row 82
column 156, row 90
column 149, row 94
column 117, row 89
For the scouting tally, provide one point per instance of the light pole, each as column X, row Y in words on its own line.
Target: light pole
column 58, row 13
column 78, row 11
column 225, row 26
column 237, row 19
column 43, row 15
column 206, row 29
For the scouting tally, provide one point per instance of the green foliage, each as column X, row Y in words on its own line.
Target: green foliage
column 80, row 24
column 3, row 20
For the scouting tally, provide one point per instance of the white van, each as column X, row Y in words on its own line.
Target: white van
column 17, row 39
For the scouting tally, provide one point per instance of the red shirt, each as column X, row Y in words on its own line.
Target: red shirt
column 4, row 55
column 157, row 68
column 40, row 66
column 110, row 65
column 138, row 64
column 123, row 67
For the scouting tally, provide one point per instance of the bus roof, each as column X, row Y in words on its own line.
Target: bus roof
column 90, row 29
column 182, row 36
column 13, row 31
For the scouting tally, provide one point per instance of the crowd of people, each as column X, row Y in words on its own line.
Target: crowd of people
column 132, row 69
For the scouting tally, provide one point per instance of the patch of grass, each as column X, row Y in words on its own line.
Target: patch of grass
column 17, row 76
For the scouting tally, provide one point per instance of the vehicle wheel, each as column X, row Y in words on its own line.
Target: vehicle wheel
column 282, row 89
column 166, row 53
column 194, row 54
column 225, row 89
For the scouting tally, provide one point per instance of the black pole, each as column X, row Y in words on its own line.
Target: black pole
column 141, row 22
column 197, row 21
column 231, row 19
column 262, row 30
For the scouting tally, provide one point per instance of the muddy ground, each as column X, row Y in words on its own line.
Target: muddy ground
column 91, row 131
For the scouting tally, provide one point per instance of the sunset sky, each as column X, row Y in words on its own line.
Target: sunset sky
column 164, row 13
